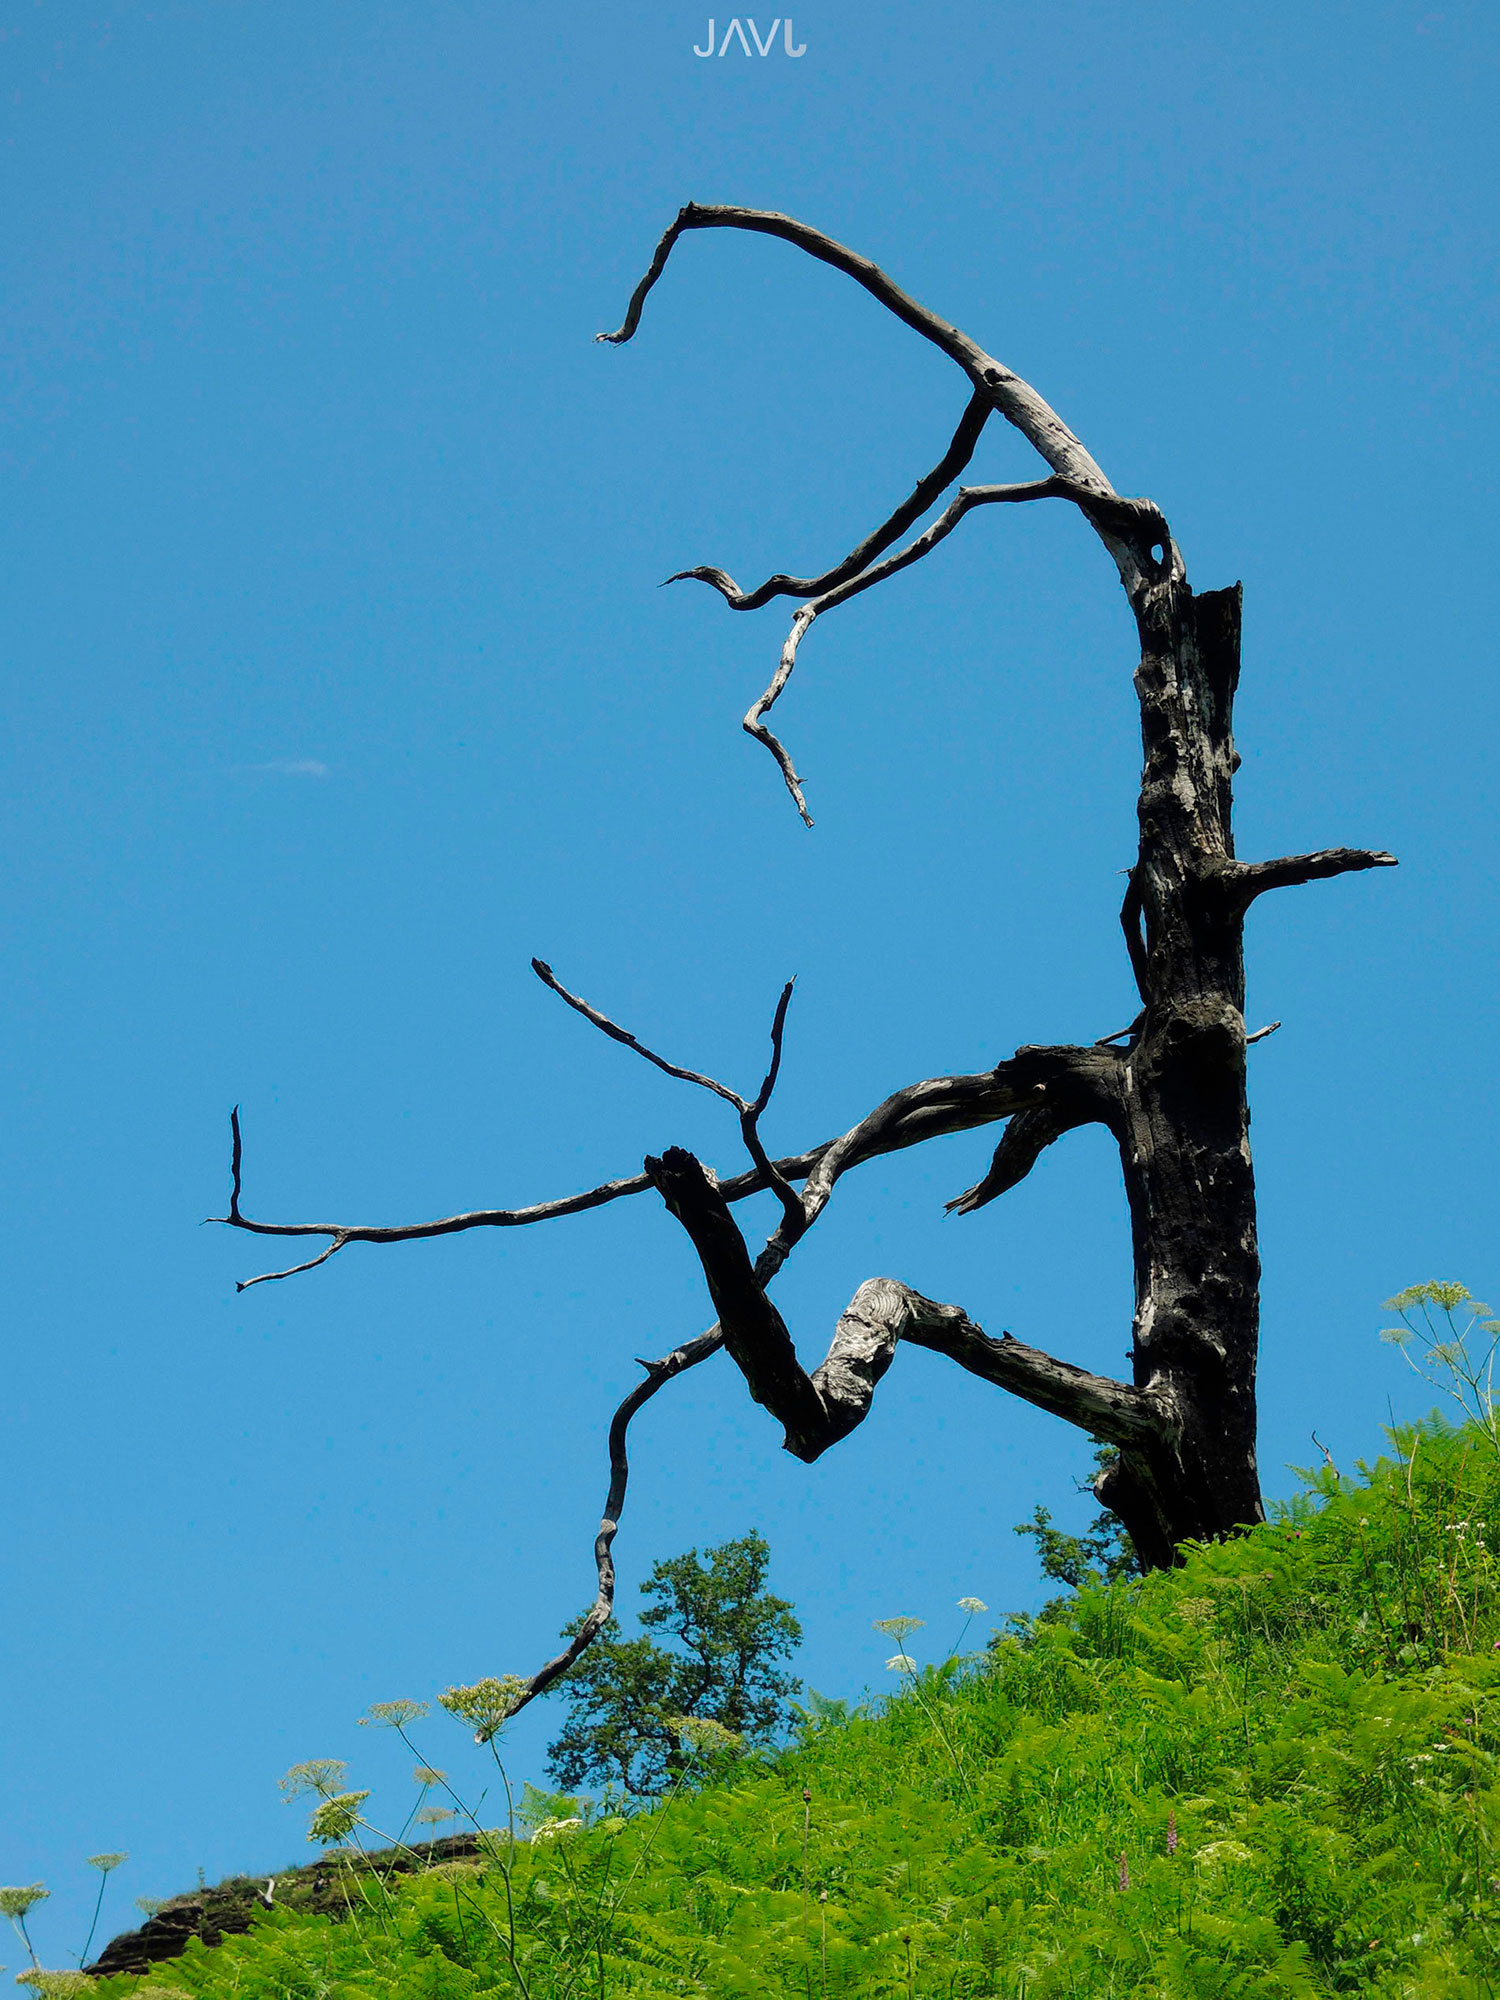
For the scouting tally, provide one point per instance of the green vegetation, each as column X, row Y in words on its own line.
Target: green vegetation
column 1268, row 1773
column 628, row 1697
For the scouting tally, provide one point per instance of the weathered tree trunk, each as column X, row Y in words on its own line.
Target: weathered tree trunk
column 1184, row 1131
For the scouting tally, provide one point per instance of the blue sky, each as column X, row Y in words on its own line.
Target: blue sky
column 341, row 685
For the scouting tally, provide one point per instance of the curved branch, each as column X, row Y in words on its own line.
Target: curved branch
column 926, row 490
column 658, row 1374
column 1014, row 398
column 964, row 501
column 291, row 1270
column 817, row 1410
column 1027, row 1137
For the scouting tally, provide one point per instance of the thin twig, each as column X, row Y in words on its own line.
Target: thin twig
column 658, row 1374
column 616, row 1033
column 963, row 502
column 927, row 489
column 293, row 1270
column 909, row 1116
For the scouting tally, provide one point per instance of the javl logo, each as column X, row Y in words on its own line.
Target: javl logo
column 762, row 48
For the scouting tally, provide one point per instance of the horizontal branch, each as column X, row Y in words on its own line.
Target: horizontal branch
column 920, row 1111
column 817, row 1410
column 927, row 489
column 1248, row 879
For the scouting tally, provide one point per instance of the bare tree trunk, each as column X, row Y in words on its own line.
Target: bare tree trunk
column 1184, row 1133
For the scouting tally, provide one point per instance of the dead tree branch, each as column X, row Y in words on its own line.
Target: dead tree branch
column 1027, row 1137
column 908, row 1117
column 1015, row 399
column 817, row 1410
column 927, row 489
column 966, row 499
column 658, row 1374
column 1245, row 880
column 748, row 1108
column 1132, row 530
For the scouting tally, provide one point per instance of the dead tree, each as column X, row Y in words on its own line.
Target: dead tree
column 1170, row 1088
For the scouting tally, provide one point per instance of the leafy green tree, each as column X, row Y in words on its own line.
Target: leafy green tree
column 1102, row 1554
column 630, row 1697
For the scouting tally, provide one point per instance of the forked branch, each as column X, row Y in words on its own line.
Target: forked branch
column 920, row 1111
column 1143, row 517
column 748, row 1108
column 926, row 490
column 1132, row 530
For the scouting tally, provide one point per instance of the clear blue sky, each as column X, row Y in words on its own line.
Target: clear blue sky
column 341, row 685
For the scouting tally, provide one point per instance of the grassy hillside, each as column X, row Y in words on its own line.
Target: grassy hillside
column 1269, row 1773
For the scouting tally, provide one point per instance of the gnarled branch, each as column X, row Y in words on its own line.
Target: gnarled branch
column 1142, row 515
column 1014, row 398
column 1027, row 1137
column 817, row 1410
column 1130, row 529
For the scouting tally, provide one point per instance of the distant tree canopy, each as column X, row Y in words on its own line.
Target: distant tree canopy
column 628, row 1698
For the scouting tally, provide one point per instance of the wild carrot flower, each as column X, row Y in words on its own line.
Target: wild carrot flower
column 322, row 1775
column 706, row 1735
column 487, row 1705
column 973, row 1605
column 14, row 1903
column 335, row 1818
column 429, row 1774
column 901, row 1663
column 898, row 1628
column 55, row 1985
column 105, row 1863
column 392, row 1714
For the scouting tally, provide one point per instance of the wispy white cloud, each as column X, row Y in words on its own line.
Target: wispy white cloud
column 291, row 767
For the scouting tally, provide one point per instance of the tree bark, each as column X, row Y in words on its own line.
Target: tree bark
column 1184, row 1130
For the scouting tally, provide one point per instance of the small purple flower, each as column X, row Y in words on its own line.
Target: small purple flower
column 1124, row 1873
column 1171, row 1833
